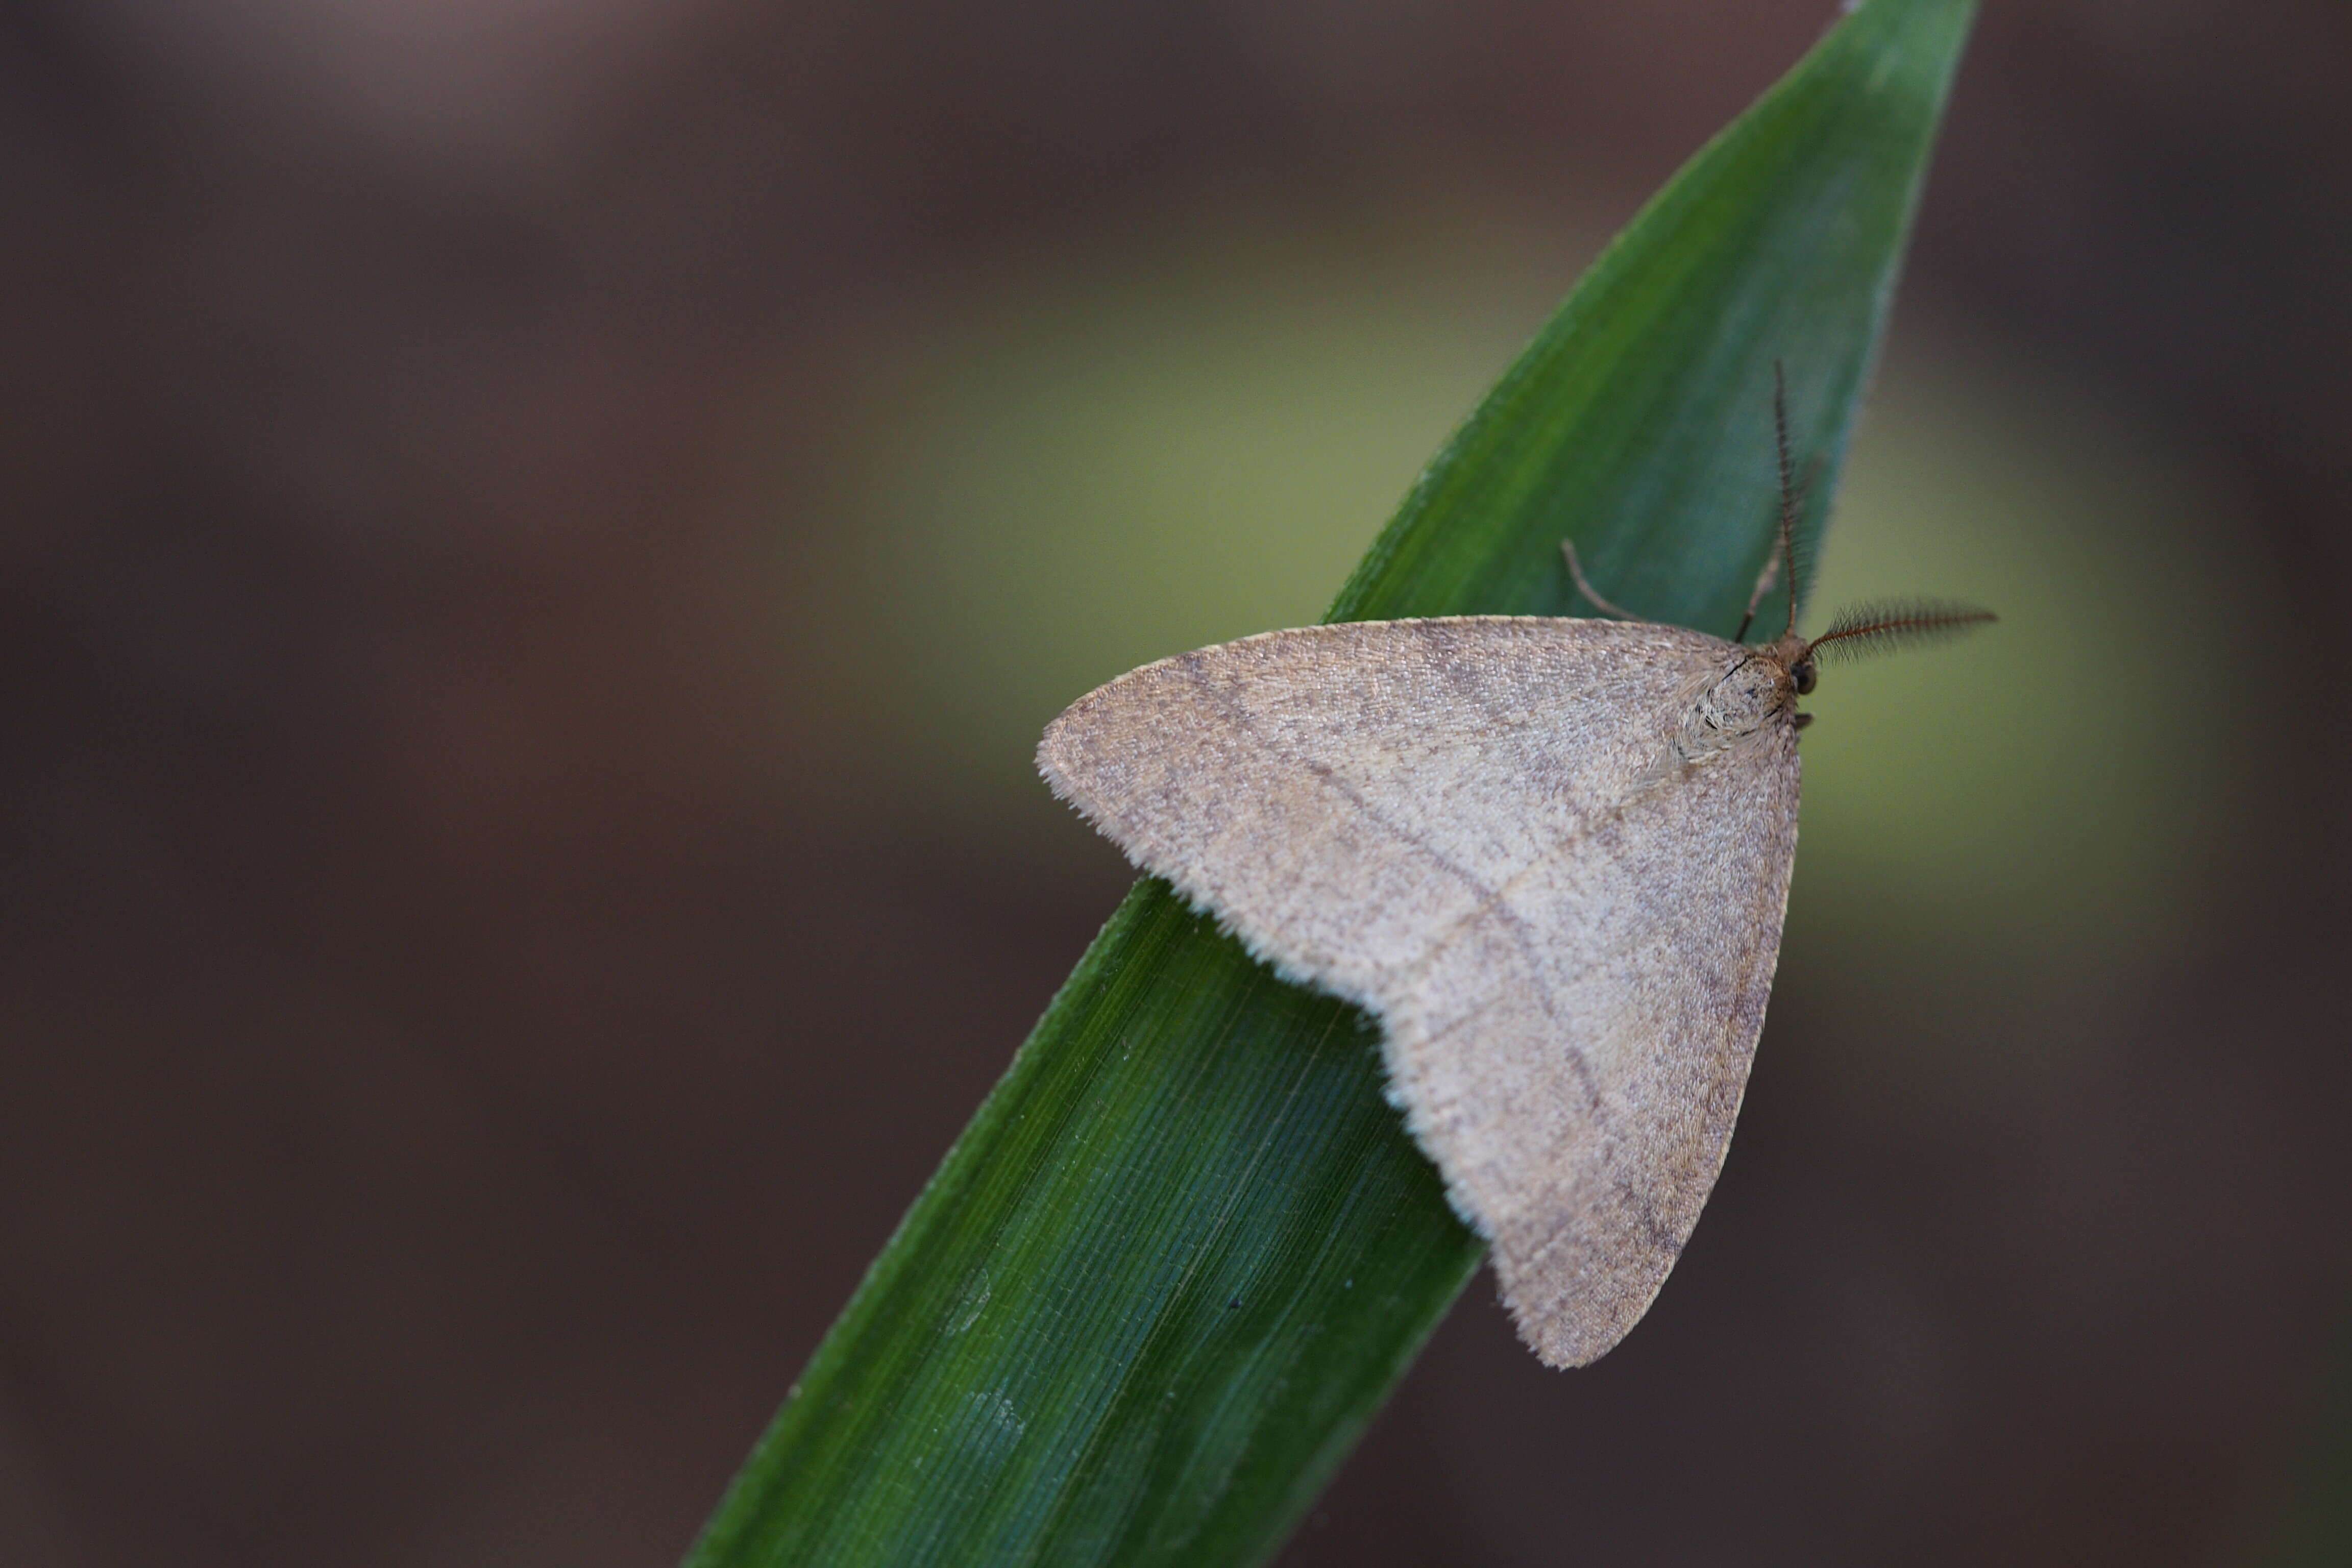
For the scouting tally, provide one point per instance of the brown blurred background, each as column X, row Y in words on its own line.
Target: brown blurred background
column 538, row 537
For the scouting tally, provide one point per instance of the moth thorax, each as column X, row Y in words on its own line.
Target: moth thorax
column 1742, row 701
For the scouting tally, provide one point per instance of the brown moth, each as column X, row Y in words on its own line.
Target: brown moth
column 1550, row 856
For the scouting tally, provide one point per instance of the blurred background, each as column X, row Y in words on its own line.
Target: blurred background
column 539, row 535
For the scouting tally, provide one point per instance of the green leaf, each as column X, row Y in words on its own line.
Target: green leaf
column 1186, row 1248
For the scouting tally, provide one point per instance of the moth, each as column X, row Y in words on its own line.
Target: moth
column 1550, row 856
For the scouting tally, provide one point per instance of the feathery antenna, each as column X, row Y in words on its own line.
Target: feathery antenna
column 1867, row 628
column 1788, row 498
column 1793, row 506
column 1887, row 623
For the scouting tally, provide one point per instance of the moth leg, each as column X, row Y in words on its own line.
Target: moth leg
column 1802, row 719
column 1764, row 580
column 1567, row 548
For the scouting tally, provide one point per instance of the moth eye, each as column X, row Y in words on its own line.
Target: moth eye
column 1804, row 676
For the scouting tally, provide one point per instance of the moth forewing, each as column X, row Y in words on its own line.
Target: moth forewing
column 1465, row 825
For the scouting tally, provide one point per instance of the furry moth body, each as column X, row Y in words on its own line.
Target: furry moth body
column 1550, row 856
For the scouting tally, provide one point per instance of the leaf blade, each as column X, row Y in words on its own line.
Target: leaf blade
column 1185, row 1248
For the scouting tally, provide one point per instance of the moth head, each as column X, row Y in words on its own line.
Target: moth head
column 1792, row 656
column 1865, row 628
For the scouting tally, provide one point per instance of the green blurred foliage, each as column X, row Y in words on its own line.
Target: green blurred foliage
column 1164, row 443
column 1195, row 436
column 2055, row 787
